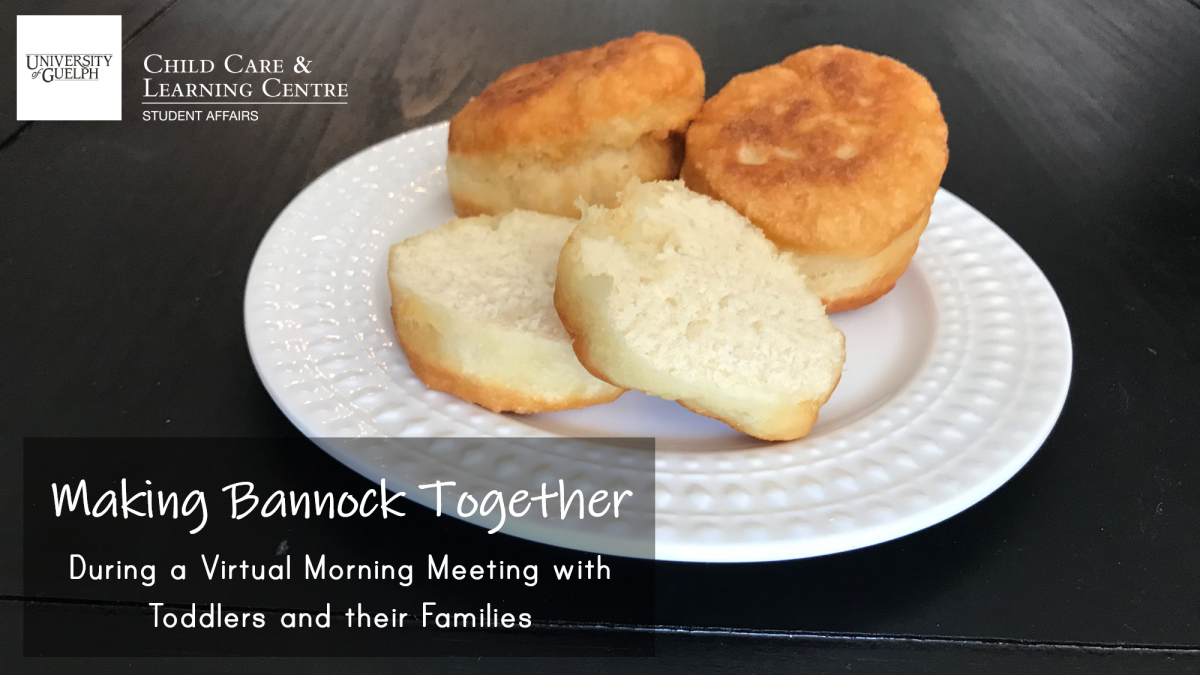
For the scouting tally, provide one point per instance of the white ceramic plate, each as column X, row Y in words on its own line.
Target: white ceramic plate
column 952, row 381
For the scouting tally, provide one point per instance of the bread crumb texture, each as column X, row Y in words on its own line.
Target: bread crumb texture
column 701, row 295
column 473, row 307
column 495, row 270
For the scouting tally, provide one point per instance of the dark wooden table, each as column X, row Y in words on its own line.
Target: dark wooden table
column 1073, row 125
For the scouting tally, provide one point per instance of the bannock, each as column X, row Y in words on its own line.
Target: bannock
column 680, row 296
column 472, row 301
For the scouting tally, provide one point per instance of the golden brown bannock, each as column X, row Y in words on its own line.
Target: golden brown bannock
column 835, row 153
column 580, row 124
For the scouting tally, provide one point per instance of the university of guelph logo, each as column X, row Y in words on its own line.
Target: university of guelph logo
column 67, row 67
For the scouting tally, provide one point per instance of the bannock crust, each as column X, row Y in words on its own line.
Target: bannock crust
column 834, row 151
column 498, row 183
column 849, row 283
column 428, row 364
column 570, row 104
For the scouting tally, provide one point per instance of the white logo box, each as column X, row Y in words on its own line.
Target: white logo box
column 68, row 67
